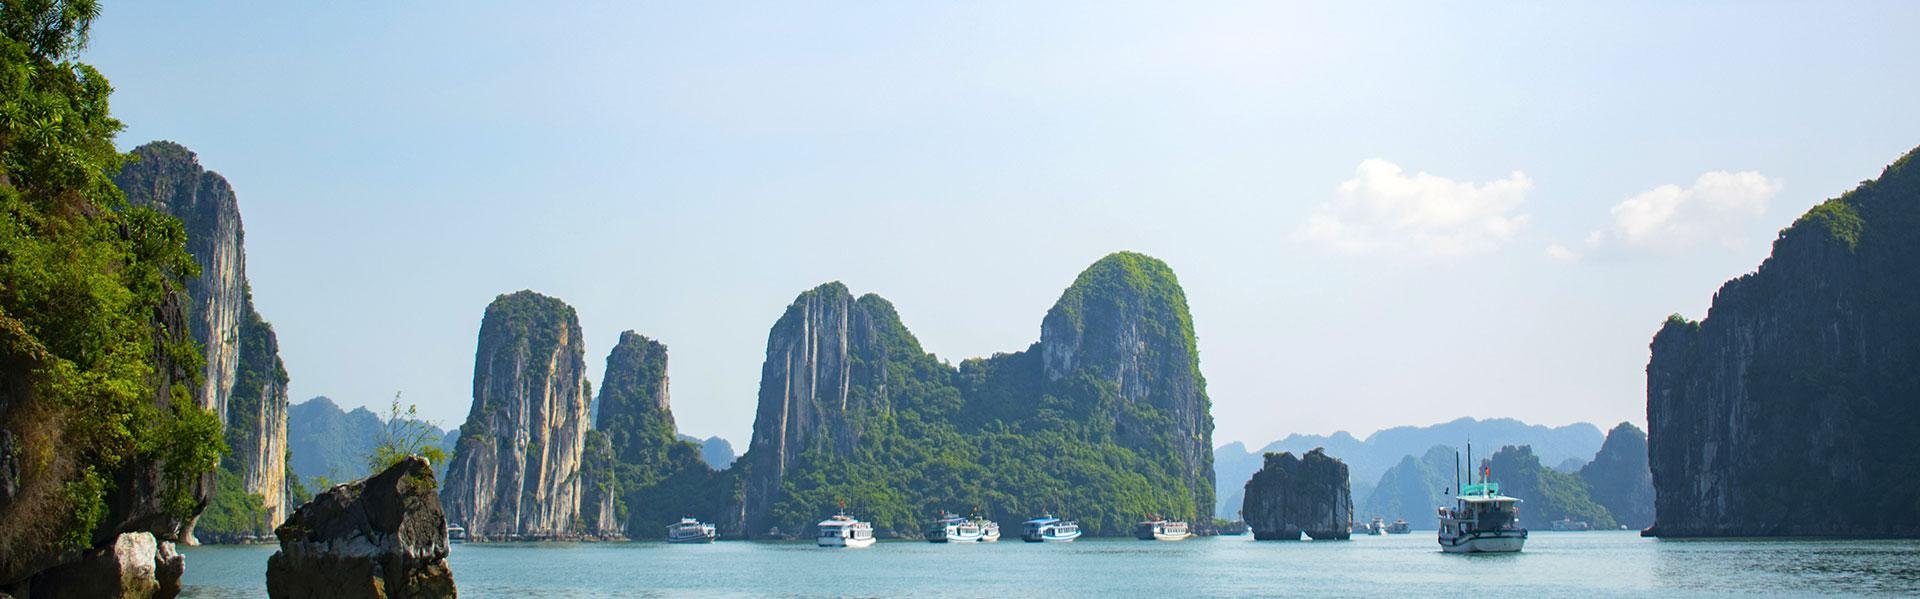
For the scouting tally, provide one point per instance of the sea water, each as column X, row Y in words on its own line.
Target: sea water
column 1572, row 564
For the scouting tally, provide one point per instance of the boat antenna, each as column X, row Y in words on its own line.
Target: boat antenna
column 1456, row 471
column 1469, row 462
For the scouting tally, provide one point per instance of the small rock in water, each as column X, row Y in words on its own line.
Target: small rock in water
column 136, row 565
column 384, row 536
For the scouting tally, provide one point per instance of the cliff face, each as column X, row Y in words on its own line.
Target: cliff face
column 647, row 477
column 1290, row 496
column 1789, row 409
column 1549, row 495
column 245, row 383
column 1105, row 420
column 1124, row 322
column 1619, row 479
column 516, row 470
column 826, row 364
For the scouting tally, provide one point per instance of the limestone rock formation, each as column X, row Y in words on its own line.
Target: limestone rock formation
column 1293, row 495
column 641, row 475
column 36, row 480
column 1124, row 321
column 1789, row 409
column 135, row 565
column 516, row 470
column 382, row 536
column 808, row 384
column 1108, row 404
column 245, row 383
column 1618, row 477
column 1412, row 489
column 1548, row 495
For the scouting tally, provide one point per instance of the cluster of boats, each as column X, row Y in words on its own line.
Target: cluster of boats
column 1480, row 521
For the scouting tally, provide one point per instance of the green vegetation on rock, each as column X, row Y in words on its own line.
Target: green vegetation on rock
column 99, row 368
column 1548, row 495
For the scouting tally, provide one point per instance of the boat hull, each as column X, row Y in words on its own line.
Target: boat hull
column 1050, row 538
column 1485, row 542
column 693, row 539
column 844, row 542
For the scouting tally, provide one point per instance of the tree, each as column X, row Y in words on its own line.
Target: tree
column 404, row 434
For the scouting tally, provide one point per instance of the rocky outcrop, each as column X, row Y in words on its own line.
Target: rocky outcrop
column 516, row 469
column 1547, row 495
column 1109, row 404
column 1619, row 479
column 1789, row 409
column 1293, row 495
column 641, row 475
column 245, row 383
column 47, row 489
column 1124, row 321
column 135, row 565
column 383, row 536
column 825, row 348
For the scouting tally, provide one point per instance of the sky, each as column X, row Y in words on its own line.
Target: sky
column 1382, row 213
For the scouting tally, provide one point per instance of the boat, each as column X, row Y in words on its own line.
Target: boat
column 456, row 533
column 1481, row 519
column 844, row 531
column 1162, row 530
column 989, row 530
column 1048, row 529
column 1377, row 527
column 949, row 528
column 689, row 530
column 1399, row 527
column 1569, row 524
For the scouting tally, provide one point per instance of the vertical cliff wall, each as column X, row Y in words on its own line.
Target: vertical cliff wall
column 1618, row 477
column 647, row 477
column 516, row 469
column 825, row 368
column 1124, row 322
column 1789, row 409
column 1105, row 420
column 245, row 382
column 1294, row 495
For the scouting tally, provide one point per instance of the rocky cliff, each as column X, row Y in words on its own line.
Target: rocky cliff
column 244, row 381
column 1618, row 477
column 1294, row 495
column 516, row 469
column 1547, row 495
column 1124, row 323
column 1104, row 420
column 643, row 476
column 382, row 536
column 1789, row 409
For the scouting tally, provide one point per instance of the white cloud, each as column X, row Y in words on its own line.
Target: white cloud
column 1562, row 253
column 1384, row 210
column 1718, row 207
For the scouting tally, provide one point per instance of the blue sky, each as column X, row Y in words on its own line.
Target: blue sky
column 1383, row 214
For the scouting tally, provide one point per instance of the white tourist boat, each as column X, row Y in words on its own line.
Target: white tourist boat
column 949, row 528
column 689, row 530
column 1162, row 530
column 1048, row 529
column 1482, row 521
column 843, row 531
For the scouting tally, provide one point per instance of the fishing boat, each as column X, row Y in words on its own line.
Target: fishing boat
column 1399, row 527
column 1048, row 529
column 1162, row 530
column 1482, row 520
column 1377, row 527
column 844, row 531
column 689, row 530
column 949, row 528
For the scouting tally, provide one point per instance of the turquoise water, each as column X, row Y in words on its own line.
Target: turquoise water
column 1584, row 564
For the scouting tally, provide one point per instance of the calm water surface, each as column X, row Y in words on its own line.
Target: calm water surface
column 1583, row 564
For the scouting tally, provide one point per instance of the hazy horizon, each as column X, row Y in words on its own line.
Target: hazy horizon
column 1381, row 216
